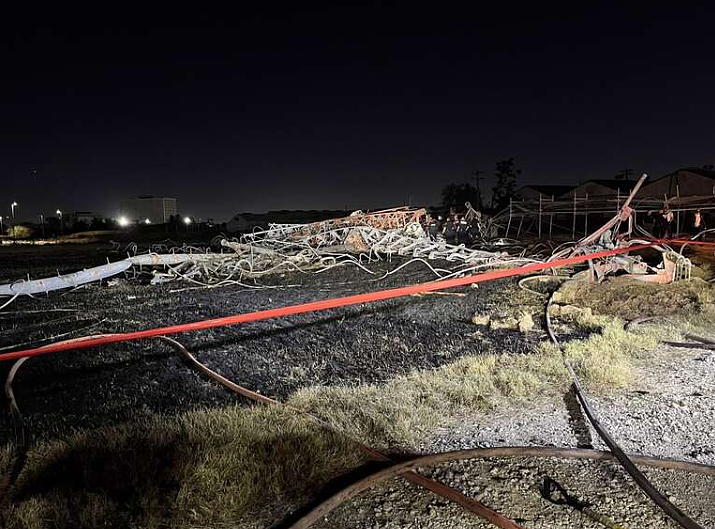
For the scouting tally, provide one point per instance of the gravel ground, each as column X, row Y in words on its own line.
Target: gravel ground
column 512, row 489
column 669, row 412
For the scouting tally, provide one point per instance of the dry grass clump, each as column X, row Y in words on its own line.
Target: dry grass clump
column 606, row 357
column 205, row 468
column 240, row 467
column 630, row 298
column 704, row 271
column 6, row 454
column 400, row 412
column 511, row 303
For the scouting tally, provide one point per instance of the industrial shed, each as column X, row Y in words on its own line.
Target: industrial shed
column 547, row 192
column 690, row 181
column 603, row 187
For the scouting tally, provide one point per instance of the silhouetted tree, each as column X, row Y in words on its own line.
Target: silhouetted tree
column 506, row 173
column 455, row 195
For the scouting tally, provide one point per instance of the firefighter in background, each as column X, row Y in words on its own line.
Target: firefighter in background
column 463, row 231
column 474, row 219
column 434, row 225
column 440, row 228
column 425, row 223
column 660, row 224
column 699, row 222
column 668, row 217
column 654, row 223
column 450, row 229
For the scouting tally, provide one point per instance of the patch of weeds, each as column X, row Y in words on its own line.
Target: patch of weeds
column 606, row 356
column 400, row 412
column 203, row 468
column 511, row 303
column 702, row 271
column 6, row 463
column 629, row 298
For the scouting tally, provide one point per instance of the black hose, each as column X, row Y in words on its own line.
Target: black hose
column 661, row 501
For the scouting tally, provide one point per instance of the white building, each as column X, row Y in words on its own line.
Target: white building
column 157, row 210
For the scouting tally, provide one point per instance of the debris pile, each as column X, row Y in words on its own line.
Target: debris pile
column 360, row 239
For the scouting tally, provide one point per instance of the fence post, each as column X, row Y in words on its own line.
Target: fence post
column 573, row 225
column 585, row 218
column 521, row 221
column 677, row 212
column 508, row 225
column 539, row 215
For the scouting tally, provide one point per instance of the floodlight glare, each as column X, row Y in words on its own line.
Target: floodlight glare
column 123, row 222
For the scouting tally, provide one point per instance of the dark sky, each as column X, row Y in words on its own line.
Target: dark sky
column 360, row 106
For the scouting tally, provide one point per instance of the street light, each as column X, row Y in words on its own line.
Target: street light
column 14, row 229
column 123, row 222
column 42, row 223
column 59, row 214
column 2, row 232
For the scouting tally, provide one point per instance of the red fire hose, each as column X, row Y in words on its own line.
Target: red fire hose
column 93, row 341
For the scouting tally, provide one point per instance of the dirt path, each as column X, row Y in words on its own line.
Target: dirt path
column 669, row 412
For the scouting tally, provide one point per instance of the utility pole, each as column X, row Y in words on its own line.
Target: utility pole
column 625, row 174
column 477, row 178
column 14, row 229
column 42, row 223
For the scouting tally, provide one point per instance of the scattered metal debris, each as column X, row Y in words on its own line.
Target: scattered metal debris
column 355, row 240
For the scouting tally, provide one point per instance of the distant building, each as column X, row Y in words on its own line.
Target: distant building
column 158, row 210
column 603, row 187
column 547, row 192
column 248, row 221
column 689, row 181
column 84, row 217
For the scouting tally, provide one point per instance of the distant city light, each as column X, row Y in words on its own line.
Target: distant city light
column 147, row 221
column 123, row 222
column 187, row 220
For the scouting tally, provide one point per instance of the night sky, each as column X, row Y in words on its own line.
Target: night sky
column 355, row 107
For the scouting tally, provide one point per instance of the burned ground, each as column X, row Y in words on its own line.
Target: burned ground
column 351, row 346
